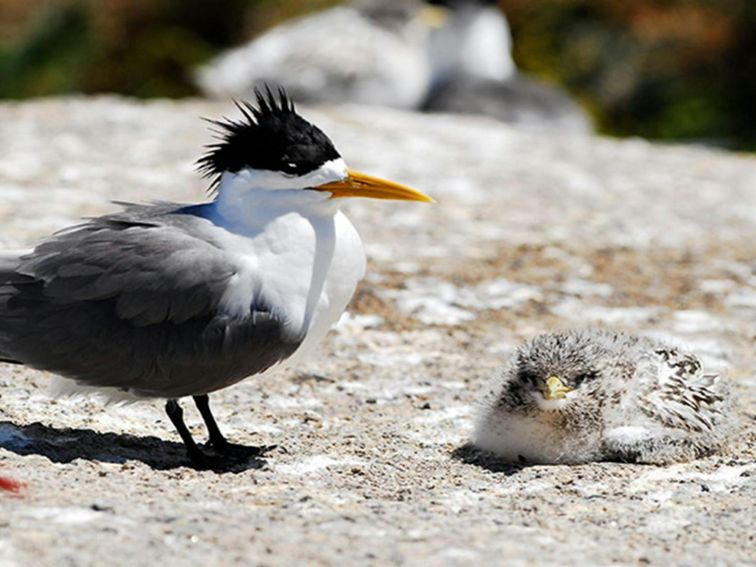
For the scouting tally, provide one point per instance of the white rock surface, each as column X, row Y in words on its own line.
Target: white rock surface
column 531, row 233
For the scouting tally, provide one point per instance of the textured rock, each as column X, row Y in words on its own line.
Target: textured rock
column 531, row 233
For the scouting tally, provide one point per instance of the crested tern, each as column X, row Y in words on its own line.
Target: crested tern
column 172, row 300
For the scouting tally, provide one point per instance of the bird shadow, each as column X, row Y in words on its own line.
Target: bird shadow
column 67, row 445
column 471, row 455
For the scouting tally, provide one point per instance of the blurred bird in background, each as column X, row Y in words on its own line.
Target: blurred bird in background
column 474, row 73
column 437, row 55
column 677, row 71
column 366, row 52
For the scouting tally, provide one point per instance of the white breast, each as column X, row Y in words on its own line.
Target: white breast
column 303, row 266
column 514, row 437
column 339, row 268
column 534, row 438
column 293, row 250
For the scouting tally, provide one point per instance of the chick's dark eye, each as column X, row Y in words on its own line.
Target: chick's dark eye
column 527, row 377
column 584, row 377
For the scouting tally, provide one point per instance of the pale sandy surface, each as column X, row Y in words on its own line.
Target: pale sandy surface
column 530, row 234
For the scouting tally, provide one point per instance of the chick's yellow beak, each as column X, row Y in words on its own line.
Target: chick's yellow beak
column 555, row 389
column 357, row 184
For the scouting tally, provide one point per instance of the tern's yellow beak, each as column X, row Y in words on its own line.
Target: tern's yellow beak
column 358, row 184
column 555, row 389
column 433, row 16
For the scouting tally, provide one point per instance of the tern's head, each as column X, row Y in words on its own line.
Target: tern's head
column 271, row 148
column 559, row 370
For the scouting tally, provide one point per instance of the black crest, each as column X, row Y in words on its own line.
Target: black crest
column 270, row 136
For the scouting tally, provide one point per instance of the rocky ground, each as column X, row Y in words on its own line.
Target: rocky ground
column 531, row 233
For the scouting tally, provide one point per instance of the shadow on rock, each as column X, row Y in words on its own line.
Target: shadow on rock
column 66, row 445
column 470, row 454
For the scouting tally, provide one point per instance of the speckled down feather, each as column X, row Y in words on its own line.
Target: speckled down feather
column 629, row 399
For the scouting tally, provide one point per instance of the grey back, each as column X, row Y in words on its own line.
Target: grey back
column 130, row 301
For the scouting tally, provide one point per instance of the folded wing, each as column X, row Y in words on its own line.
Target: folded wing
column 132, row 301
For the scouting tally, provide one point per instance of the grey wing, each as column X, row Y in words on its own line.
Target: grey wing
column 130, row 301
column 681, row 395
column 9, row 262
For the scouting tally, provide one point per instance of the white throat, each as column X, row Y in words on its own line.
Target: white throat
column 253, row 197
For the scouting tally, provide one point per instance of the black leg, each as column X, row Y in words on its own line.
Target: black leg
column 217, row 440
column 176, row 415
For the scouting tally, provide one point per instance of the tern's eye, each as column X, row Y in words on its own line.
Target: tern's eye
column 289, row 167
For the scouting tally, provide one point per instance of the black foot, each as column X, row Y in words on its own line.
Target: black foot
column 233, row 457
column 218, row 454
column 218, row 444
column 203, row 462
column 236, row 452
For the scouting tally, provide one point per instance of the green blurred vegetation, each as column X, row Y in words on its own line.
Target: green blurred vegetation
column 144, row 48
column 664, row 69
